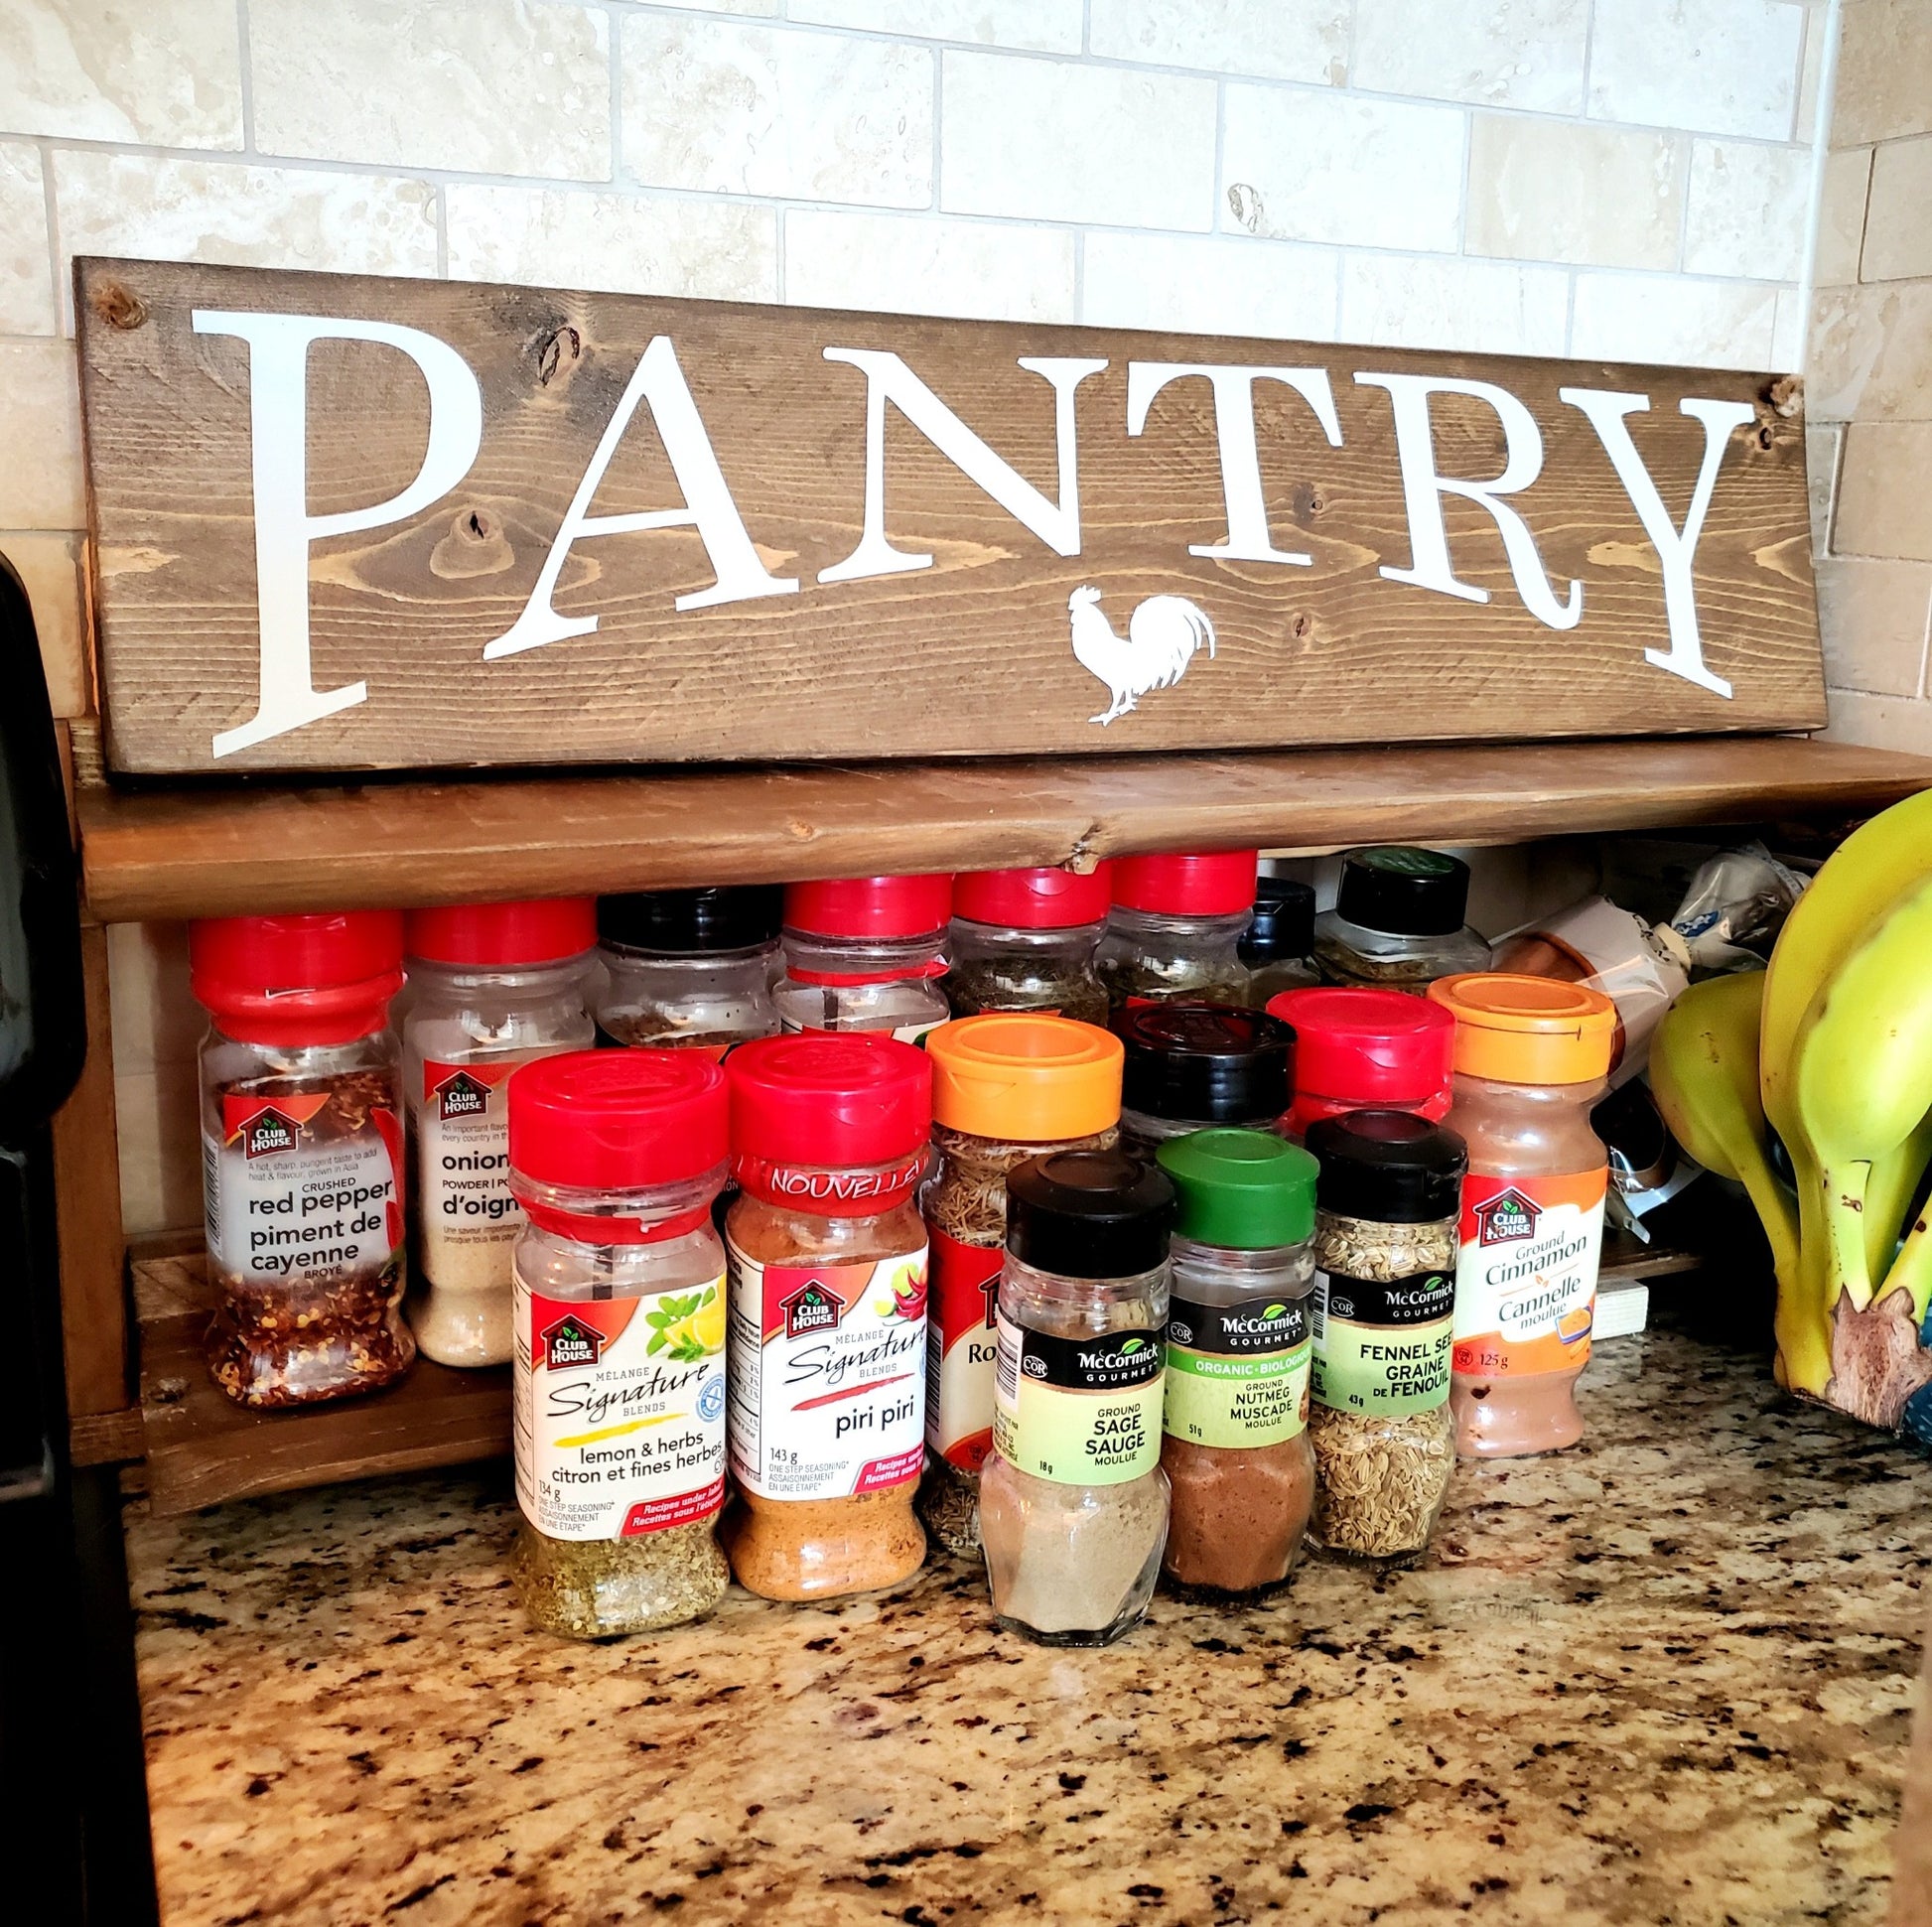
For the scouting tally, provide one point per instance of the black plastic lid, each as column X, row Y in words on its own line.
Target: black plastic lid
column 1284, row 924
column 1388, row 1168
column 1205, row 1063
column 1403, row 892
column 693, row 922
column 1089, row 1213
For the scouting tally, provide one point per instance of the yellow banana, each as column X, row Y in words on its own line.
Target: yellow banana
column 1895, row 1183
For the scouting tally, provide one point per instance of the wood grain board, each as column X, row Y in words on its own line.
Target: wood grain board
column 971, row 656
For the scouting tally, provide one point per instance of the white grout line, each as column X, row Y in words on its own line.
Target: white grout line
column 247, row 77
column 1821, row 130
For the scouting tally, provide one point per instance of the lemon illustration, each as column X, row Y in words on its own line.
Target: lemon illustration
column 707, row 1325
column 689, row 1328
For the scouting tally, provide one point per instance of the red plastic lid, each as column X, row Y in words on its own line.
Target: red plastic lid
column 885, row 907
column 618, row 1120
column 539, row 930
column 829, row 1099
column 1371, row 1049
column 1032, row 900
column 317, row 977
column 1216, row 883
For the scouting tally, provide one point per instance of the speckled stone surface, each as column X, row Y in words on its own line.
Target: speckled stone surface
column 1664, row 1676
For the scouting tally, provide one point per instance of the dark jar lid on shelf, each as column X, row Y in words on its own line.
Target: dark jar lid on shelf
column 693, row 922
column 1283, row 922
column 1089, row 1214
column 1402, row 890
column 1388, row 1168
column 1206, row 1064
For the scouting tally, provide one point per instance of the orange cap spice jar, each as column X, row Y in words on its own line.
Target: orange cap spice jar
column 827, row 1250
column 1531, row 1059
column 1005, row 1088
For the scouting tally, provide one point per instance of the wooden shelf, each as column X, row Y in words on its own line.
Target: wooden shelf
column 204, row 852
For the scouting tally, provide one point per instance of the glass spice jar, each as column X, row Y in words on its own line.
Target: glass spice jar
column 688, row 969
column 491, row 986
column 1025, row 940
column 1365, row 1051
column 1386, row 1207
column 865, row 953
column 1278, row 944
column 1191, row 1065
column 1236, row 1449
column 301, row 1153
column 1004, row 1088
column 828, row 1296
column 619, row 1374
column 1176, row 926
column 1398, row 922
column 1074, row 1505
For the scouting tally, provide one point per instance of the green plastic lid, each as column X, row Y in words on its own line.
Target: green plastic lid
column 1245, row 1191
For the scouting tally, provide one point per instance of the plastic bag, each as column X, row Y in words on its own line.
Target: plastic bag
column 1739, row 897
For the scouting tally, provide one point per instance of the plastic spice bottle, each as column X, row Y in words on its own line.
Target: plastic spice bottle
column 1004, row 1088
column 1385, row 1240
column 1176, row 926
column 1365, row 1051
column 1532, row 1056
column 1239, row 1350
column 1398, row 922
column 1279, row 947
column 620, row 1379
column 1074, row 1505
column 490, row 987
column 1025, row 940
column 828, row 1296
column 302, row 1152
column 865, row 953
column 689, row 969
column 1191, row 1065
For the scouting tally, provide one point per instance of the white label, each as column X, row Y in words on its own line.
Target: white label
column 463, row 1205
column 904, row 1033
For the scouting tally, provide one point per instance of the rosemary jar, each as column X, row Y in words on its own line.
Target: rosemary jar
column 1398, row 922
column 1278, row 946
column 1386, row 1207
column 865, row 953
column 688, row 969
column 1025, row 940
column 1191, row 1065
column 1074, row 1505
column 1004, row 1088
column 1176, row 926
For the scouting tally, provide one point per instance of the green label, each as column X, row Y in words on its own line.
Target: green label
column 1383, row 1346
column 1079, row 1410
column 1237, row 1374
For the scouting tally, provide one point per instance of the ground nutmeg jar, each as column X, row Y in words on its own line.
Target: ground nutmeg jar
column 1174, row 927
column 865, row 953
column 1191, row 1065
column 1025, row 940
column 828, row 1303
column 688, row 969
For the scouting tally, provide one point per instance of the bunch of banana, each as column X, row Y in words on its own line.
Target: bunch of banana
column 1830, row 1049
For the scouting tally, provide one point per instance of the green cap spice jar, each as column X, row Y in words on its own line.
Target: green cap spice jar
column 1239, row 1348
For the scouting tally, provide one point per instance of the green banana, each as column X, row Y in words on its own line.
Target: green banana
column 1895, row 1181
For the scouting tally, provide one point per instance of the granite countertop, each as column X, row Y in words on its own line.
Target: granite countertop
column 1664, row 1677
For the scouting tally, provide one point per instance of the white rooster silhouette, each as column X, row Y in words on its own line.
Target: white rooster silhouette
column 1163, row 634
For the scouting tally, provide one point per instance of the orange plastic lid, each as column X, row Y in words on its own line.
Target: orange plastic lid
column 1023, row 1079
column 1528, row 1029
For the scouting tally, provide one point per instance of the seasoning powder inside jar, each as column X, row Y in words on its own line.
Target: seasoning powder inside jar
column 1174, row 926
column 1025, row 940
column 688, row 969
column 619, row 1370
column 828, row 1303
column 1074, row 1506
column 1189, row 1065
column 1386, row 1217
column 1237, row 1451
column 1004, row 1089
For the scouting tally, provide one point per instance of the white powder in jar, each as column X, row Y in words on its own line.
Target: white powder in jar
column 1077, row 1553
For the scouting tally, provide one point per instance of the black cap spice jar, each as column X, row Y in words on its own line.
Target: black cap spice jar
column 689, row 969
column 1189, row 1065
column 1279, row 947
column 1398, row 920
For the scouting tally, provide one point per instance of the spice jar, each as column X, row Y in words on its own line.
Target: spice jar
column 828, row 1270
column 1024, row 940
column 865, row 953
column 302, row 1152
column 490, row 987
column 619, row 1378
column 1398, row 920
column 688, row 969
column 1191, row 1065
column 1074, row 1505
column 1004, row 1088
column 1278, row 946
column 1236, row 1449
column 1385, row 1241
column 1532, row 1056
column 1365, row 1051
column 1174, row 926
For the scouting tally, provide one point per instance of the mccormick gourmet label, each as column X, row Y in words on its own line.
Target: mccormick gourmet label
column 462, row 1143
column 1383, row 1346
column 827, row 1376
column 962, row 1342
column 1526, row 1274
column 1237, row 1374
column 1079, row 1410
column 619, row 1410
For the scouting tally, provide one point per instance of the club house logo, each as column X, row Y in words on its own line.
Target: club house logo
column 814, row 1306
column 462, row 1096
column 267, row 1132
column 570, row 1342
column 1507, row 1218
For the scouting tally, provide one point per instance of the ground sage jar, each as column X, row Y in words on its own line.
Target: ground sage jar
column 1191, row 1065
column 1025, row 940
column 828, row 1295
column 301, row 1153
column 1398, row 922
column 1387, row 1203
column 688, row 969
column 1004, row 1088
column 620, row 1372
column 1074, row 1506
column 1236, row 1450
column 1175, row 928
column 865, row 953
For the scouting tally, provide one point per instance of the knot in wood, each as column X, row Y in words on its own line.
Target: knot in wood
column 118, row 306
column 551, row 349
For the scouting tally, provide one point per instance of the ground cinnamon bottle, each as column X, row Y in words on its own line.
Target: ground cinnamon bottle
column 828, row 1299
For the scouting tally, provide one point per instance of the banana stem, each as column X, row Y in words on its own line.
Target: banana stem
column 1844, row 1190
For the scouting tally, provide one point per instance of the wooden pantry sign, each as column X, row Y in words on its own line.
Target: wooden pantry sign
column 345, row 523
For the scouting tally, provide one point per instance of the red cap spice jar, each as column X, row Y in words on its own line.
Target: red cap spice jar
column 1174, row 926
column 865, row 953
column 1366, row 1050
column 302, row 1152
column 1025, row 940
column 620, row 1314
column 828, row 1303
